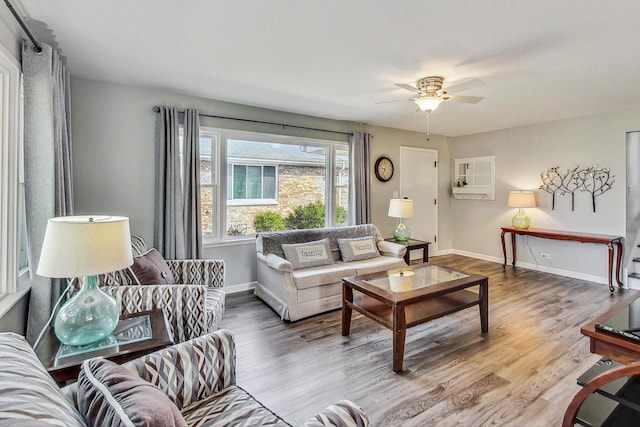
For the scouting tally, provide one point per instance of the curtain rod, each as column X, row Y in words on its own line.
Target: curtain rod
column 284, row 125
column 36, row 46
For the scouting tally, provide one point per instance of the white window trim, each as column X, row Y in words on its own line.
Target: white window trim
column 10, row 175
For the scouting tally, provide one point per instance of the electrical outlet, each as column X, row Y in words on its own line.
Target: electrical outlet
column 545, row 256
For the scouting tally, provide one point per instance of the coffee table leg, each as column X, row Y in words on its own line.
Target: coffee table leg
column 399, row 335
column 484, row 306
column 347, row 295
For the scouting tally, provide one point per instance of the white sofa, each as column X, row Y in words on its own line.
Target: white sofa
column 298, row 293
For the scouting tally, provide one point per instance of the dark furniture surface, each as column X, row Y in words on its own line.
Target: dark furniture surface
column 414, row 244
column 612, row 243
column 398, row 311
column 70, row 367
column 611, row 345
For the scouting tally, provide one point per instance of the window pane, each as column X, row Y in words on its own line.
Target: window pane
column 286, row 185
column 254, row 182
column 342, row 184
column 22, row 230
column 269, row 182
column 206, row 206
column 239, row 182
column 206, row 146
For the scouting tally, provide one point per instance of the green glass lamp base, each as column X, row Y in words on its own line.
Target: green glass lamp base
column 402, row 233
column 521, row 220
column 88, row 317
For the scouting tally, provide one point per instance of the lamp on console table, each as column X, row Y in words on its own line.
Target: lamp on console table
column 521, row 200
column 82, row 247
column 401, row 209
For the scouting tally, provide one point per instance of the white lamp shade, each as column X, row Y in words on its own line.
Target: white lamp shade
column 428, row 103
column 521, row 199
column 401, row 208
column 76, row 246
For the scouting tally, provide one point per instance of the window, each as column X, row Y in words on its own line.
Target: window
column 248, row 183
column 12, row 235
column 253, row 182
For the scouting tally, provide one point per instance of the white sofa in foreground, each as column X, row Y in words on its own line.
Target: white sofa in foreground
column 300, row 271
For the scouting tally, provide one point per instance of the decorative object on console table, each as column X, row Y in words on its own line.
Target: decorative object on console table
column 82, row 247
column 401, row 209
column 521, row 200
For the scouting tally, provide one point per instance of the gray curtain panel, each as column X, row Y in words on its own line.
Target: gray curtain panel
column 178, row 230
column 191, row 185
column 47, row 163
column 360, row 188
column 168, row 224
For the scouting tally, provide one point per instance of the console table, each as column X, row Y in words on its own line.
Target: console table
column 612, row 242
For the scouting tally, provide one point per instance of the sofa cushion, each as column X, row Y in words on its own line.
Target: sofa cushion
column 230, row 406
column 111, row 395
column 358, row 248
column 374, row 265
column 30, row 397
column 152, row 269
column 322, row 275
column 308, row 254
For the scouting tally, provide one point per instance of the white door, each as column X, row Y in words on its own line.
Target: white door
column 419, row 182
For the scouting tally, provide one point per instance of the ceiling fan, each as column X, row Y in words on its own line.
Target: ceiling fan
column 431, row 92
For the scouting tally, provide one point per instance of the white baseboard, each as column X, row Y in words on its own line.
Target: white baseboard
column 559, row 272
column 240, row 287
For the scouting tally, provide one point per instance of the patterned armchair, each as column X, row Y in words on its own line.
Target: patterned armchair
column 193, row 306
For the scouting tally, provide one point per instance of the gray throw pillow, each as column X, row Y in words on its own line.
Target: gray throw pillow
column 110, row 395
column 308, row 254
column 357, row 249
column 152, row 269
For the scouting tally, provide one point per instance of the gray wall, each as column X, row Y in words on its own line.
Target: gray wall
column 113, row 153
column 521, row 155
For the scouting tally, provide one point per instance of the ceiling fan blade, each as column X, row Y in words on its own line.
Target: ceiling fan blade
column 393, row 100
column 459, row 87
column 407, row 87
column 466, row 99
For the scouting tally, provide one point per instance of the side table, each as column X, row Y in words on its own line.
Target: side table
column 69, row 368
column 414, row 244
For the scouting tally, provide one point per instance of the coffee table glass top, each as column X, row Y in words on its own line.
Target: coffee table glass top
column 401, row 280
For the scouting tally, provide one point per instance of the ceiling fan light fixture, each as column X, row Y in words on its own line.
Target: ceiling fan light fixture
column 428, row 103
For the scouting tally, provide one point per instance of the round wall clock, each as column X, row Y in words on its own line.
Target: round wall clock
column 383, row 169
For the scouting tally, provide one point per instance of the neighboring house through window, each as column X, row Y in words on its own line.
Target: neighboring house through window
column 270, row 179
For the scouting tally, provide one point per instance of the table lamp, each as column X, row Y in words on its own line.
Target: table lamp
column 401, row 209
column 82, row 247
column 521, row 200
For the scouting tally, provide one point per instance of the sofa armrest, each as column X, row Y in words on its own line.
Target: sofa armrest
column 276, row 262
column 192, row 370
column 209, row 272
column 342, row 414
column 184, row 306
column 392, row 249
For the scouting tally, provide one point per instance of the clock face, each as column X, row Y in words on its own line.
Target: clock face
column 384, row 169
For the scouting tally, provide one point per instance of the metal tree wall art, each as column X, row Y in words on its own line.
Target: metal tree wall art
column 593, row 180
column 596, row 181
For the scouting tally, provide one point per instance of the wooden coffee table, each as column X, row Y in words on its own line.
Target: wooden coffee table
column 402, row 298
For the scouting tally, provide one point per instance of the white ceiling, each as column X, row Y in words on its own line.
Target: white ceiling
column 540, row 60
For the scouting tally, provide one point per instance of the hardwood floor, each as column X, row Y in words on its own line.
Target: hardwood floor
column 521, row 373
